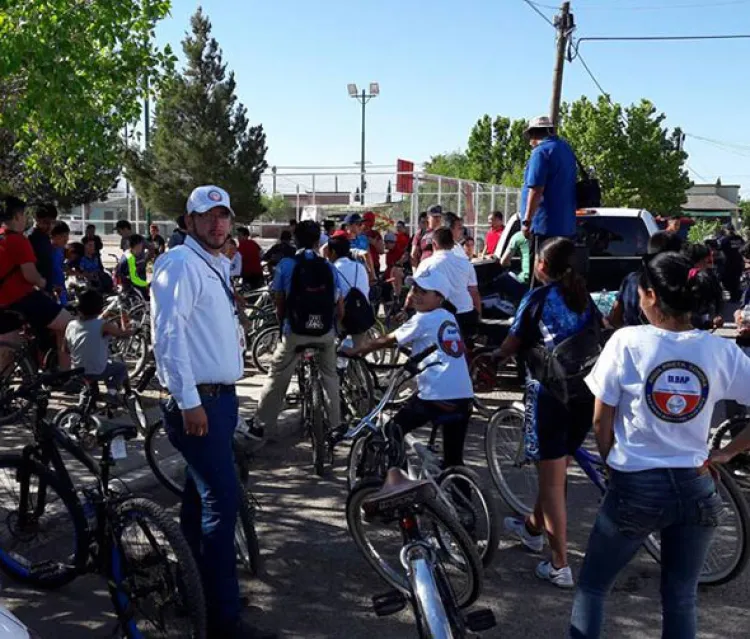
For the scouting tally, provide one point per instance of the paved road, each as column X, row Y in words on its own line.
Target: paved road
column 317, row 585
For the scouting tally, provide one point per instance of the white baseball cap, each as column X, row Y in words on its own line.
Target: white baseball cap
column 204, row 198
column 432, row 280
column 540, row 122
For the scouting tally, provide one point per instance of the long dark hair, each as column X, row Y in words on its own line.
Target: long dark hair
column 559, row 256
column 679, row 288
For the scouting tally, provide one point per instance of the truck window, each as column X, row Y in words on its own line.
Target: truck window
column 613, row 236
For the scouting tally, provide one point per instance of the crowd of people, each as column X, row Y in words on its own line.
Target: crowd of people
column 649, row 396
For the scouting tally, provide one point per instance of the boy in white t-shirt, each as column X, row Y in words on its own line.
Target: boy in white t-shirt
column 444, row 390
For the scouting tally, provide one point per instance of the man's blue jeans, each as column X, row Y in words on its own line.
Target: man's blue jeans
column 210, row 502
column 683, row 504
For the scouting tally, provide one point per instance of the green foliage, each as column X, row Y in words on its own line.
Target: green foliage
column 702, row 229
column 638, row 161
column 201, row 135
column 72, row 73
column 745, row 213
column 276, row 208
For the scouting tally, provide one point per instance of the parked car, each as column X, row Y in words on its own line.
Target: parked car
column 611, row 242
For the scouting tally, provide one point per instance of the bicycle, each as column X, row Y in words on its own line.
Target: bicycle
column 81, row 421
column 378, row 444
column 515, row 478
column 157, row 592
column 438, row 570
column 169, row 467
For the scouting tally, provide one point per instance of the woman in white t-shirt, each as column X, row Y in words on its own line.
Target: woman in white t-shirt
column 444, row 391
column 655, row 388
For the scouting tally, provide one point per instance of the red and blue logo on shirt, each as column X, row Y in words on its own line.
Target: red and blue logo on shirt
column 676, row 391
column 450, row 340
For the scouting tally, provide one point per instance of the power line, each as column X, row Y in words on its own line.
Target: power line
column 732, row 145
column 535, row 7
column 662, row 7
column 593, row 77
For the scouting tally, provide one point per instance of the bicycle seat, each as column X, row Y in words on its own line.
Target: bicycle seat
column 107, row 432
column 398, row 490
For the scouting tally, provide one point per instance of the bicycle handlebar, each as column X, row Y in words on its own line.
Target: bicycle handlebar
column 48, row 379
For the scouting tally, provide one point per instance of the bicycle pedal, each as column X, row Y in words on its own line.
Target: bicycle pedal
column 389, row 603
column 480, row 620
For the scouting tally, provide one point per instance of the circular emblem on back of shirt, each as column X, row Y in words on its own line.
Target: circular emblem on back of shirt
column 450, row 340
column 214, row 196
column 676, row 391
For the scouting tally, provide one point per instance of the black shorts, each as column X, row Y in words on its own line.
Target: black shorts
column 9, row 321
column 560, row 429
column 38, row 309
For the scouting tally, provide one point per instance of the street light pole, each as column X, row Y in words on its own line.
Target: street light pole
column 363, row 98
column 362, row 163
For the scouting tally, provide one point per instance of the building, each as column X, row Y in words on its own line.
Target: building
column 713, row 201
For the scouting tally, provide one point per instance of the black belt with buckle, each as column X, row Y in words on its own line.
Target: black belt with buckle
column 212, row 390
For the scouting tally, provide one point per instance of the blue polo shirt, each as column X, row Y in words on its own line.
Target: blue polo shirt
column 282, row 279
column 360, row 242
column 552, row 165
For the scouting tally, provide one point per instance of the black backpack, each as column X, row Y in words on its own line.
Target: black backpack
column 358, row 314
column 310, row 303
column 563, row 369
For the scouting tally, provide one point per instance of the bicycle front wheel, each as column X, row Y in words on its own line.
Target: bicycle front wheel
column 165, row 460
column 20, row 371
column 475, row 508
column 154, row 582
column 514, row 476
column 264, row 346
column 728, row 554
column 43, row 534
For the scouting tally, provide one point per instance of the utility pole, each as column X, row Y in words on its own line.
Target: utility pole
column 564, row 24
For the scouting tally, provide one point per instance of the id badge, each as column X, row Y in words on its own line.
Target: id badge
column 241, row 337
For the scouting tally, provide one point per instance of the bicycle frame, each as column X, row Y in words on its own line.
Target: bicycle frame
column 593, row 466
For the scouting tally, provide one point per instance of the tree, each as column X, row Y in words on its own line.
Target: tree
column 201, row 135
column 276, row 207
column 745, row 212
column 638, row 160
column 72, row 73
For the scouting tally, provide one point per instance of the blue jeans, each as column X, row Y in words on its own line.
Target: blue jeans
column 683, row 504
column 210, row 502
column 506, row 284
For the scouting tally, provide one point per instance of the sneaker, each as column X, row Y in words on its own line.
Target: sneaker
column 560, row 577
column 517, row 527
column 248, row 428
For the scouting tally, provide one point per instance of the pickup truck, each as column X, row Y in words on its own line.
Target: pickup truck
column 610, row 242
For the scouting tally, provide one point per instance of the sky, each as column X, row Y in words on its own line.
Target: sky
column 443, row 64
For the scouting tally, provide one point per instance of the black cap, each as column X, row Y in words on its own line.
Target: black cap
column 435, row 209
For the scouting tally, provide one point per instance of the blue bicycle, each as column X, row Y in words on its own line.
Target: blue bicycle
column 516, row 479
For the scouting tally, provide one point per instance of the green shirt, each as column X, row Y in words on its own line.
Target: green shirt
column 519, row 243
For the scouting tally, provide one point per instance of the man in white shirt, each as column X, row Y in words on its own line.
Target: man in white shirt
column 198, row 350
column 464, row 291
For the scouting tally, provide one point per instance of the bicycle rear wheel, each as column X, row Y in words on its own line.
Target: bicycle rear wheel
column 317, row 427
column 43, row 534
column 19, row 371
column 357, row 389
column 245, row 537
column 515, row 476
column 483, row 371
column 381, row 544
column 729, row 551
column 154, row 581
column 164, row 459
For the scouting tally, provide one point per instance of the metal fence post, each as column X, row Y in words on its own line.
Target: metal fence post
column 313, row 189
column 460, row 196
column 440, row 190
column 296, row 212
column 505, row 208
column 492, row 199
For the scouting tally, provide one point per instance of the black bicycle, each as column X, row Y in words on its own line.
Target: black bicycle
column 50, row 533
column 169, row 467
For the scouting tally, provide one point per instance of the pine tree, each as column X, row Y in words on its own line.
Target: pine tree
column 201, row 135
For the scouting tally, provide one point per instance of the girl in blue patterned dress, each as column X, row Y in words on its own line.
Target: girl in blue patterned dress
column 547, row 316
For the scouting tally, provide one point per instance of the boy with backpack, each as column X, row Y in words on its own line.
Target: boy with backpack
column 355, row 291
column 308, row 303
